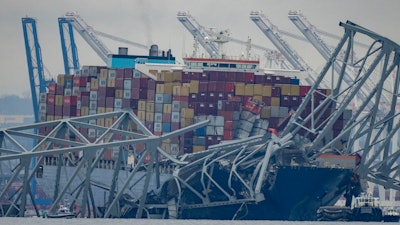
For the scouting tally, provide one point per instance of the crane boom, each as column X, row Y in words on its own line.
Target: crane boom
column 69, row 51
column 199, row 33
column 88, row 35
column 122, row 40
column 311, row 33
column 272, row 32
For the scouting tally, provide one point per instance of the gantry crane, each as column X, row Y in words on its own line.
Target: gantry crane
column 37, row 79
column 72, row 20
column 273, row 33
column 87, row 34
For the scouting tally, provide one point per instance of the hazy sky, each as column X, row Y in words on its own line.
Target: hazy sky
column 154, row 21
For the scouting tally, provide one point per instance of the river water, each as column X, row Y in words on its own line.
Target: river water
column 79, row 221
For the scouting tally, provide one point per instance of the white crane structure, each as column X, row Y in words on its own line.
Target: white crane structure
column 89, row 35
column 273, row 33
column 314, row 38
column 212, row 41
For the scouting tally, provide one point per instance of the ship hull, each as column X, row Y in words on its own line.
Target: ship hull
column 297, row 193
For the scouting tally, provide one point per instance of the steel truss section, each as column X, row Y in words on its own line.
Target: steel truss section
column 374, row 127
column 68, row 137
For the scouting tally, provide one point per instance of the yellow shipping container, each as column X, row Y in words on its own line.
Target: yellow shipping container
column 167, row 108
column 108, row 122
column 198, row 148
column 109, row 110
column 150, row 107
column 59, row 100
column 149, row 116
column 257, row 98
column 266, row 91
column 119, row 93
column 100, row 122
column 177, row 76
column 50, row 118
column 168, row 87
column 111, row 82
column 258, row 89
column 285, row 88
column 142, row 105
column 141, row 115
column 103, row 73
column 166, row 147
column 61, row 80
column 84, row 111
column 186, row 122
column 160, row 89
column 101, row 109
column 294, row 90
column 239, row 88
column 187, row 113
column 249, row 90
column 181, row 91
column 194, row 86
column 275, row 101
column 94, row 84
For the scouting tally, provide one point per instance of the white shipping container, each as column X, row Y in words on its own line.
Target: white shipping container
column 211, row 118
column 249, row 116
column 210, row 130
column 117, row 103
column 275, row 111
column 242, row 134
column 198, row 119
column 92, row 111
column 175, row 117
column 159, row 98
column 157, row 126
column 158, row 117
column 127, row 94
column 92, row 105
column 219, row 130
column 127, row 84
column 174, row 149
column 136, row 74
column 245, row 125
column 112, row 73
column 102, row 82
column 75, row 91
column 261, row 123
column 93, row 96
column 42, row 97
column 283, row 111
column 219, row 121
column 91, row 133
column 67, row 92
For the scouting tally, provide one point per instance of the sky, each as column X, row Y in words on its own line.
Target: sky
column 154, row 22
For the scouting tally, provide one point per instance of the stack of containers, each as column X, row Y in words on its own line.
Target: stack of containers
column 238, row 104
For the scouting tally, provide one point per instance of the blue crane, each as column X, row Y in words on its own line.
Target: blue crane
column 38, row 83
column 68, row 46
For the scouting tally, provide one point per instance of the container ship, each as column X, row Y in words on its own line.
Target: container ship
column 240, row 100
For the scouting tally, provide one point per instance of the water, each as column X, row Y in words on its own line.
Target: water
column 78, row 221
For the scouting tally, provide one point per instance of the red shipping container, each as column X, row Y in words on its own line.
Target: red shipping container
column 60, row 90
column 151, row 94
column 228, row 134
column 51, row 99
column 166, row 117
column 213, row 76
column 143, row 82
column 50, row 110
column 175, row 126
column 58, row 110
column 52, row 88
column 128, row 73
column 203, row 86
column 70, row 100
column 119, row 83
column 249, row 77
column 303, row 90
column 240, row 77
column 228, row 115
column 228, row 125
column 180, row 98
column 135, row 93
column 230, row 76
column 266, row 100
column 213, row 86
column 230, row 87
column 259, row 79
column 135, row 82
column 275, row 92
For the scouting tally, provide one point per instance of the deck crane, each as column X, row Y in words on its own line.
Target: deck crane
column 272, row 32
column 199, row 33
column 314, row 38
column 207, row 37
